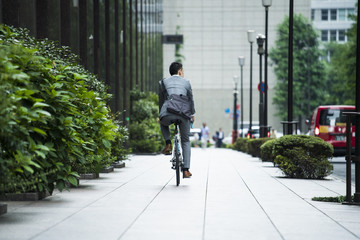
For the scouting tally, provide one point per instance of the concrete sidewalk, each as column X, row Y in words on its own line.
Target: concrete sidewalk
column 230, row 196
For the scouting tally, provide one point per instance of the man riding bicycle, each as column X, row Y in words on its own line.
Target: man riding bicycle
column 177, row 85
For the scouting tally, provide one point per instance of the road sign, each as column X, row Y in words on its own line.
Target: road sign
column 172, row 39
column 262, row 87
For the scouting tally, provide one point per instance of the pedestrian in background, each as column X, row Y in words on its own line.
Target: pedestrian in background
column 220, row 137
column 204, row 135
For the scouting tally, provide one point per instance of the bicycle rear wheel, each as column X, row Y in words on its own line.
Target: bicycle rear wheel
column 177, row 164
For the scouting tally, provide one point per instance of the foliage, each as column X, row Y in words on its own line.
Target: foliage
column 54, row 122
column 266, row 150
column 145, row 134
column 338, row 199
column 241, row 144
column 342, row 69
column 255, row 144
column 308, row 70
column 178, row 47
column 301, row 156
column 119, row 151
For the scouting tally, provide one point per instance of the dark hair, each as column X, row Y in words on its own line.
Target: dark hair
column 174, row 68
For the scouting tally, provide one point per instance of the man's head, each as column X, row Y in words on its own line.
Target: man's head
column 176, row 69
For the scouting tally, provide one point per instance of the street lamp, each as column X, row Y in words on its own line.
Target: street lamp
column 251, row 38
column 241, row 63
column 260, row 41
column 266, row 4
column 234, row 137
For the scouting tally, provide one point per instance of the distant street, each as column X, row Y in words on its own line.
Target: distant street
column 340, row 168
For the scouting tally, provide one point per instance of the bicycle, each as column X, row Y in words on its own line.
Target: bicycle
column 177, row 160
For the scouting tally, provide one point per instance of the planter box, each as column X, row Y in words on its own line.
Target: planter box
column 89, row 175
column 3, row 208
column 119, row 164
column 108, row 169
column 33, row 196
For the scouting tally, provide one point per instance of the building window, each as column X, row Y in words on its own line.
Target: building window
column 351, row 11
column 333, row 14
column 341, row 35
column 333, row 35
column 324, row 35
column 324, row 14
column 312, row 14
column 342, row 15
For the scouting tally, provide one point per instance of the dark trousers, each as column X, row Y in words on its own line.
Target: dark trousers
column 184, row 126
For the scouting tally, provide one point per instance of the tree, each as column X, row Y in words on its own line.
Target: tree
column 309, row 75
column 342, row 69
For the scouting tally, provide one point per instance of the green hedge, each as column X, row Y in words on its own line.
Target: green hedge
column 266, row 150
column 241, row 144
column 301, row 156
column 54, row 121
column 145, row 133
column 255, row 144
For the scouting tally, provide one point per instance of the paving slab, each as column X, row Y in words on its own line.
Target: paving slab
column 230, row 196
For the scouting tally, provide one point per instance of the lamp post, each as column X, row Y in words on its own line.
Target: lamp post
column 251, row 38
column 234, row 137
column 260, row 41
column 241, row 63
column 266, row 4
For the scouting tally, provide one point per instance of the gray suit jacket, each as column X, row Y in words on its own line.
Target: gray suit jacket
column 174, row 85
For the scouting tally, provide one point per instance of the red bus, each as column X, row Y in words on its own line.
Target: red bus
column 329, row 123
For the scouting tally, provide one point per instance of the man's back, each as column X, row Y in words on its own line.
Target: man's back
column 175, row 85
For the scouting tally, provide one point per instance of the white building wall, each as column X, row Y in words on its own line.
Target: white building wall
column 215, row 34
column 332, row 25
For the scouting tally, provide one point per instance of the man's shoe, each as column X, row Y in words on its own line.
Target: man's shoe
column 167, row 149
column 187, row 174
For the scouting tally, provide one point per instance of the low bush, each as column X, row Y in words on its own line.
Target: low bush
column 301, row 156
column 241, row 144
column 266, row 150
column 144, row 130
column 338, row 199
column 255, row 144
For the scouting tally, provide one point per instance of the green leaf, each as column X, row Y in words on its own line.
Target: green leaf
column 46, row 113
column 72, row 180
column 40, row 104
column 41, row 154
column 34, row 164
column 28, row 168
column 106, row 143
column 38, row 130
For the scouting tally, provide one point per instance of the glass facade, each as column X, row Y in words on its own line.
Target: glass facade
column 118, row 40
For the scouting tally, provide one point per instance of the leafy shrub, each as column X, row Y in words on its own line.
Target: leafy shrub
column 255, row 144
column 241, row 144
column 144, row 130
column 266, row 150
column 54, row 122
column 339, row 199
column 302, row 156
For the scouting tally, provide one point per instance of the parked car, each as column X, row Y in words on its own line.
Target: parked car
column 329, row 123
